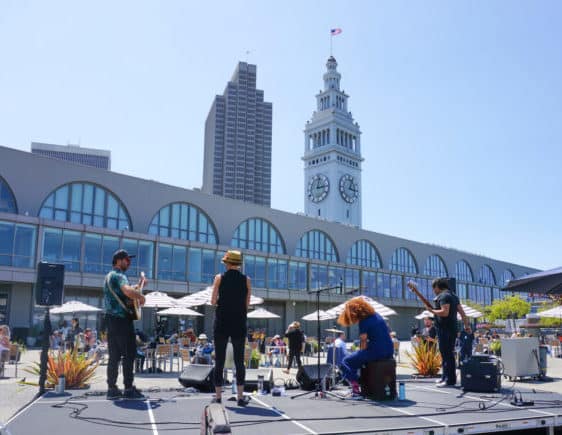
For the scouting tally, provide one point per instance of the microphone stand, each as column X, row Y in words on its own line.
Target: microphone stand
column 320, row 392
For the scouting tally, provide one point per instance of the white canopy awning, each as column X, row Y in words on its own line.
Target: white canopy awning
column 383, row 310
column 159, row 300
column 178, row 311
column 553, row 312
column 203, row 297
column 74, row 307
column 313, row 317
column 262, row 313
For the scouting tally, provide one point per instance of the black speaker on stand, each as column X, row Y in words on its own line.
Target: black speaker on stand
column 48, row 291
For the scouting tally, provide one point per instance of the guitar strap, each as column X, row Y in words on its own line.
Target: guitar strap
column 127, row 310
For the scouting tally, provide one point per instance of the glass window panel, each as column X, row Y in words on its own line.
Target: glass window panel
column 110, row 245
column 88, row 203
column 24, row 246
column 52, row 244
column 7, row 231
column 165, row 261
column 50, row 201
column 60, row 215
column 93, row 253
column 112, row 207
column 46, row 213
column 194, row 269
column 76, row 199
column 386, row 285
column 71, row 245
column 180, row 257
column 61, row 198
column 208, row 265
column 258, row 279
column 145, row 258
column 99, row 201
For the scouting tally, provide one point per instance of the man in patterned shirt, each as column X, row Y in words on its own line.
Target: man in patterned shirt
column 120, row 332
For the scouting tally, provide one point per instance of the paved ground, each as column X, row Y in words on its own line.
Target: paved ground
column 14, row 396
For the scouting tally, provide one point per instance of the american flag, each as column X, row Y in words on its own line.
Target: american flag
column 335, row 32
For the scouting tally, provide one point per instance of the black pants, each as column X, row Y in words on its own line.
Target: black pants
column 294, row 354
column 238, row 343
column 122, row 347
column 447, row 349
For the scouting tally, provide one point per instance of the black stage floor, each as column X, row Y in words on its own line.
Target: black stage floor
column 427, row 411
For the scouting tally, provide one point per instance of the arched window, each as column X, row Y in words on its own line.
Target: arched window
column 486, row 275
column 434, row 266
column 316, row 245
column 183, row 221
column 507, row 276
column 363, row 253
column 403, row 261
column 86, row 203
column 7, row 199
column 259, row 235
column 463, row 271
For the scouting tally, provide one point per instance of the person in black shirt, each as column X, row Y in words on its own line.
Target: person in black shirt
column 296, row 340
column 231, row 296
column 446, row 307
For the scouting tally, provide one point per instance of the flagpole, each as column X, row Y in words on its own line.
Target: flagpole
column 331, row 39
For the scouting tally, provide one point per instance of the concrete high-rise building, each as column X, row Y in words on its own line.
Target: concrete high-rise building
column 75, row 154
column 237, row 162
column 332, row 155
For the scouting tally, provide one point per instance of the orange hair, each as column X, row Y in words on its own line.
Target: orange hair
column 355, row 310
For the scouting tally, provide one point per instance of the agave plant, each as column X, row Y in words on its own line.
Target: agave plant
column 77, row 369
column 425, row 359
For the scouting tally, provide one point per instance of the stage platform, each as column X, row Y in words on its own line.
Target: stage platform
column 427, row 411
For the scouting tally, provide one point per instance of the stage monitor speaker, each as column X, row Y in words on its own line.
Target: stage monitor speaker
column 214, row 420
column 198, row 376
column 251, row 383
column 307, row 375
column 50, row 284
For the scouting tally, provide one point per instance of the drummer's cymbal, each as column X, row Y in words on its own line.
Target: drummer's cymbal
column 334, row 330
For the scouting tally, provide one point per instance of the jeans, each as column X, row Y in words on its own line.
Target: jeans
column 220, row 354
column 122, row 346
column 447, row 350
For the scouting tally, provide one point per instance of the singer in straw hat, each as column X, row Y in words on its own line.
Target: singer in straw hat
column 231, row 296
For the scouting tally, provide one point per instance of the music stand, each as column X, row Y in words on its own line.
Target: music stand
column 320, row 391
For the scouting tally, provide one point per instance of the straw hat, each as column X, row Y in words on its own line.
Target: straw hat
column 232, row 257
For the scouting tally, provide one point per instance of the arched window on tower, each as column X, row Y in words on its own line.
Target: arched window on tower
column 259, row 235
column 363, row 253
column 317, row 245
column 434, row 266
column 183, row 221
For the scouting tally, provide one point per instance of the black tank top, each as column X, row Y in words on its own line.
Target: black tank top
column 230, row 316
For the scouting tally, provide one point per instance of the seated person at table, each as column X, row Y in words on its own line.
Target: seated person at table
column 341, row 350
column 141, row 340
column 376, row 343
column 204, row 351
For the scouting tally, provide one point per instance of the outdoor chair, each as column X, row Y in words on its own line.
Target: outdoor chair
column 4, row 358
column 185, row 356
column 163, row 354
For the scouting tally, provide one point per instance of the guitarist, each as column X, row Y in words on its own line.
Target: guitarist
column 120, row 332
column 447, row 305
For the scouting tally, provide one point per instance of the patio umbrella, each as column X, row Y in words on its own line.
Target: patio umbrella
column 159, row 300
column 312, row 317
column 383, row 310
column 74, row 307
column 262, row 313
column 203, row 297
column 178, row 311
column 471, row 312
column 424, row 314
column 553, row 312
column 547, row 282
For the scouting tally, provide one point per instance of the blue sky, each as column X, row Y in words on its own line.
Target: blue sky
column 460, row 103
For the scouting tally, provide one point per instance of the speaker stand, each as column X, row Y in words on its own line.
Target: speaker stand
column 320, row 390
column 44, row 351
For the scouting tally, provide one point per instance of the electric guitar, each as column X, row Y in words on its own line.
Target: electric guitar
column 414, row 287
column 133, row 304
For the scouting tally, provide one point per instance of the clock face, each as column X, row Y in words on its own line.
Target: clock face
column 349, row 189
column 318, row 188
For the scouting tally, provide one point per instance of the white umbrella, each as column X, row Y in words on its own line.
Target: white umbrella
column 178, row 311
column 424, row 314
column 553, row 312
column 159, row 300
column 383, row 310
column 471, row 312
column 262, row 313
column 74, row 307
column 203, row 297
column 312, row 317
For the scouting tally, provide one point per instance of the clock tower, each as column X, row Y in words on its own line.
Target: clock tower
column 332, row 155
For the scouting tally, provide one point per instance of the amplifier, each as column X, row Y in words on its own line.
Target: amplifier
column 482, row 374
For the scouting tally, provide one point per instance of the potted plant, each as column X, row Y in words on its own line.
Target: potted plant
column 255, row 359
column 425, row 359
column 496, row 347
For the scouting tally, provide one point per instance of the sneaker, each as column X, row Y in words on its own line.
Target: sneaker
column 438, row 381
column 114, row 393
column 133, row 393
column 243, row 401
column 442, row 384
